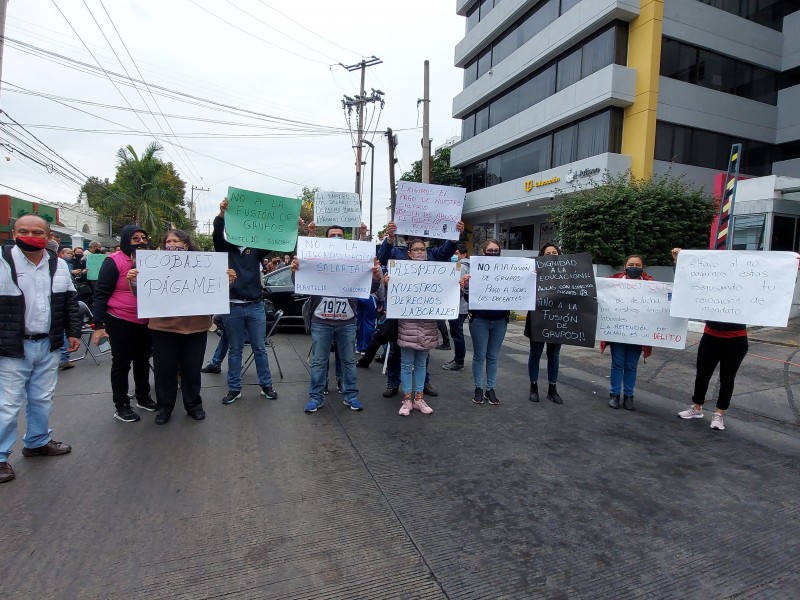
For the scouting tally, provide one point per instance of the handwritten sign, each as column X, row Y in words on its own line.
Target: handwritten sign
column 337, row 208
column 423, row 290
column 502, row 283
column 93, row 264
column 177, row 284
column 261, row 221
column 331, row 267
column 634, row 311
column 566, row 304
column 428, row 210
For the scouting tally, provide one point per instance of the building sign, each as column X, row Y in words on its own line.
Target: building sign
column 530, row 183
column 573, row 175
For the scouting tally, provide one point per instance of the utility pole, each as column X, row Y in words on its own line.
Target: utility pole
column 426, row 140
column 3, row 7
column 392, row 139
column 192, row 211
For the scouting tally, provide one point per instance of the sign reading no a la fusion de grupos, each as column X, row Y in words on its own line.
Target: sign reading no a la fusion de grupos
column 334, row 267
column 337, row 208
column 635, row 311
column 735, row 286
column 178, row 284
column 428, row 210
column 502, row 283
column 423, row 290
column 263, row 221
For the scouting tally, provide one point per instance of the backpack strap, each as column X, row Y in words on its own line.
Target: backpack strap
column 10, row 260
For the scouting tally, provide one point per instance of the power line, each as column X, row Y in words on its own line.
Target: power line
column 21, row 192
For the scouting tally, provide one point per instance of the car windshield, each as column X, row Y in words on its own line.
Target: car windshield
column 280, row 277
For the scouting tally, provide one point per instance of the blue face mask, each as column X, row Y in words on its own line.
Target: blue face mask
column 337, row 237
column 454, row 258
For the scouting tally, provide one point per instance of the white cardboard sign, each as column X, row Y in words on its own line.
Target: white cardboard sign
column 334, row 267
column 423, row 290
column 179, row 284
column 635, row 311
column 337, row 208
column 735, row 286
column 502, row 283
column 428, row 210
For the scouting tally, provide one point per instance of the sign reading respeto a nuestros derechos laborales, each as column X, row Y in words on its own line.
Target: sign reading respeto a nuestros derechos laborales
column 337, row 208
column 178, row 284
column 334, row 267
column 735, row 286
column 502, row 283
column 428, row 210
column 423, row 290
column 635, row 311
column 263, row 221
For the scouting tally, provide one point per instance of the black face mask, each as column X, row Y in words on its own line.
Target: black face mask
column 142, row 246
column 634, row 272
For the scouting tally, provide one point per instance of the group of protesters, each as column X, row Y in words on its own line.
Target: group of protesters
column 39, row 294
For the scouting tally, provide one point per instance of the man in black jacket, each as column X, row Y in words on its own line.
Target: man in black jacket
column 247, row 319
column 38, row 303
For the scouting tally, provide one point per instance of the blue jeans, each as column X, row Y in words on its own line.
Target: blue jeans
column 393, row 379
column 413, row 361
column 322, row 336
column 624, row 364
column 247, row 322
column 33, row 378
column 553, row 350
column 366, row 316
column 64, row 353
column 221, row 351
column 457, row 335
column 487, row 339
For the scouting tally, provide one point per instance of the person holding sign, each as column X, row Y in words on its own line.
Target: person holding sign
column 179, row 345
column 115, row 316
column 488, row 329
column 416, row 338
column 625, row 357
column 723, row 344
column 537, row 348
column 333, row 320
column 247, row 319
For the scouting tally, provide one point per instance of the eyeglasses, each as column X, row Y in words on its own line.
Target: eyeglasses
column 139, row 238
column 418, row 250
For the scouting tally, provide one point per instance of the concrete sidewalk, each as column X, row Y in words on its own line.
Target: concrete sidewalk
column 519, row 500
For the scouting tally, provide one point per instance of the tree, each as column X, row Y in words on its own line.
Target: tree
column 623, row 215
column 145, row 190
column 441, row 171
column 204, row 241
column 306, row 208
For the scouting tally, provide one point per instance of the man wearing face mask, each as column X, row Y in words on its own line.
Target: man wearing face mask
column 38, row 303
column 116, row 317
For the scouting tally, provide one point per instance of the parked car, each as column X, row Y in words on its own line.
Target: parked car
column 279, row 289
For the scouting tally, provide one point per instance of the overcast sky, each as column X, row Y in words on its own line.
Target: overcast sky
column 274, row 64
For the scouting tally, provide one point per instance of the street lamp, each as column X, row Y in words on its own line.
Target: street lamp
column 371, row 181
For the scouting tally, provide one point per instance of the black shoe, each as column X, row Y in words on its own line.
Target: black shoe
column 162, row 418
column 198, row 414
column 232, row 396
column 492, row 398
column 429, row 390
column 390, row 392
column 478, row 397
column 267, row 391
column 534, row 395
column 147, row 404
column 443, row 347
column 453, row 366
column 339, row 386
column 127, row 414
column 552, row 394
column 614, row 402
column 362, row 363
column 627, row 403
column 209, row 368
column 6, row 472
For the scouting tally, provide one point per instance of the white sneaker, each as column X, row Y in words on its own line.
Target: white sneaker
column 717, row 422
column 691, row 413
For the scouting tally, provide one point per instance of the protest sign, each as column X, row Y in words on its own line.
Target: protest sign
column 566, row 304
column 93, row 264
column 177, row 284
column 261, row 221
column 735, row 286
column 423, row 290
column 428, row 210
column 502, row 283
column 635, row 311
column 334, row 267
column 337, row 208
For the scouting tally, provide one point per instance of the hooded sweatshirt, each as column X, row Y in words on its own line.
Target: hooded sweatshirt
column 112, row 294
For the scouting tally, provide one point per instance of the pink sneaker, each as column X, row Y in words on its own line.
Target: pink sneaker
column 406, row 407
column 421, row 405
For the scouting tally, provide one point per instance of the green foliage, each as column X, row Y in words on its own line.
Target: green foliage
column 441, row 171
column 204, row 241
column 623, row 215
column 145, row 190
column 306, row 208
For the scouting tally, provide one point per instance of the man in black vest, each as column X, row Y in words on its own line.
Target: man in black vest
column 38, row 303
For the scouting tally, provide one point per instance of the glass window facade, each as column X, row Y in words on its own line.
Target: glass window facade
column 596, row 134
column 478, row 12
column 748, row 232
column 769, row 13
column 715, row 71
